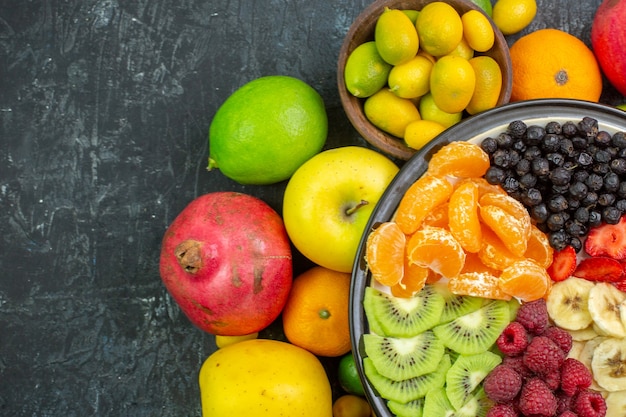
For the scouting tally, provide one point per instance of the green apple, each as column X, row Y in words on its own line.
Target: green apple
column 329, row 200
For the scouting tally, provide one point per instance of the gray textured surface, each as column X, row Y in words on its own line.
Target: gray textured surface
column 104, row 110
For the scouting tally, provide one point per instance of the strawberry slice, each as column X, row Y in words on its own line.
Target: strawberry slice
column 563, row 264
column 608, row 240
column 600, row 268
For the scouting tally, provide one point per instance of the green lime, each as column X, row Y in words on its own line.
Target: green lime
column 348, row 376
column 412, row 14
column 621, row 106
column 266, row 129
column 396, row 36
column 485, row 5
column 365, row 72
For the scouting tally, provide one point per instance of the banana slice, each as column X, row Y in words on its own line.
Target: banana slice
column 586, row 356
column 576, row 350
column 609, row 364
column 583, row 335
column 604, row 306
column 568, row 303
column 616, row 403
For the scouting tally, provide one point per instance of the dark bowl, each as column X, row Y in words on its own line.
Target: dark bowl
column 474, row 129
column 362, row 30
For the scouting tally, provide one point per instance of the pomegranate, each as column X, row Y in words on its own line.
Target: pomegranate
column 608, row 39
column 226, row 260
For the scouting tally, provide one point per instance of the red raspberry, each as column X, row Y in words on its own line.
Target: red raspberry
column 561, row 337
column 502, row 384
column 543, row 356
column 533, row 316
column 537, row 398
column 564, row 402
column 589, row 403
column 553, row 379
column 567, row 413
column 513, row 339
column 574, row 376
column 502, row 410
column 517, row 363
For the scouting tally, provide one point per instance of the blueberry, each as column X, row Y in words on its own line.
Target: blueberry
column 578, row 190
column 560, row 176
column 489, row 145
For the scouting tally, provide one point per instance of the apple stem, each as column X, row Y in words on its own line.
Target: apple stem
column 351, row 210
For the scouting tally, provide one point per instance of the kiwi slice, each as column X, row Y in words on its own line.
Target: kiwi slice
column 456, row 305
column 411, row 409
column 408, row 389
column 403, row 358
column 475, row 332
column 466, row 375
column 403, row 317
column 436, row 403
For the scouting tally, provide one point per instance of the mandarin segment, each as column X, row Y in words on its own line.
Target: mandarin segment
column 385, row 253
column 422, row 196
column 539, row 248
column 438, row 216
column 478, row 284
column 413, row 281
column 437, row 249
column 526, row 280
column 493, row 252
column 510, row 229
column 464, row 222
column 459, row 159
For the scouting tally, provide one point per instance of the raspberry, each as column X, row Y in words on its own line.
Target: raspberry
column 502, row 384
column 564, row 402
column 502, row 410
column 537, row 398
column 553, row 379
column 589, row 403
column 567, row 413
column 574, row 376
column 513, row 339
column 533, row 316
column 543, row 356
column 561, row 337
column 517, row 363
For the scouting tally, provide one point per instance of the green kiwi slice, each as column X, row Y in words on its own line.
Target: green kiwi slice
column 403, row 317
column 408, row 389
column 403, row 358
column 475, row 332
column 456, row 305
column 411, row 409
column 466, row 375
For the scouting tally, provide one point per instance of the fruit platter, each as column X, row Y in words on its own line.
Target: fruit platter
column 434, row 311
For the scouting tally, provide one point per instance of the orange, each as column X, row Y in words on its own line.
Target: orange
column 493, row 252
column 478, row 284
column 526, row 280
column 464, row 222
column 315, row 316
column 550, row 63
column 422, row 196
column 384, row 253
column 435, row 248
column 459, row 159
column 539, row 249
column 508, row 218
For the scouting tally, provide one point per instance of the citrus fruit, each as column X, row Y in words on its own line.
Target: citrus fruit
column 421, row 197
column 550, row 63
column 348, row 375
column 526, row 280
column 485, row 5
column 365, row 72
column 464, row 222
column 412, row 14
column 493, row 253
column 266, row 129
column 411, row 79
column 351, row 406
column 478, row 284
column 385, row 248
column 463, row 49
column 264, row 377
column 420, row 132
column 511, row 16
column 395, row 36
column 488, row 84
column 477, row 30
column 316, row 314
column 412, row 282
column 223, row 341
column 452, row 83
column 439, row 28
column 436, row 248
column 459, row 159
column 389, row 112
column 429, row 111
column 539, row 249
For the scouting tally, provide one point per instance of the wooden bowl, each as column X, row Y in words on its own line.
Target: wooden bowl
column 362, row 30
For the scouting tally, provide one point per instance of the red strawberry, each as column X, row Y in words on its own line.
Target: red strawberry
column 563, row 264
column 600, row 268
column 607, row 240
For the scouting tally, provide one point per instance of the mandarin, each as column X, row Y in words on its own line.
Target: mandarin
column 385, row 249
column 435, row 248
column 459, row 159
column 421, row 197
column 526, row 280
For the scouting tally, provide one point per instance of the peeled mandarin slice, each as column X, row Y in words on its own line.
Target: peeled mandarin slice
column 464, row 222
column 385, row 253
column 459, row 159
column 525, row 280
column 422, row 196
column 435, row 248
column 483, row 186
column 539, row 249
column 473, row 263
column 413, row 281
column 438, row 217
column 510, row 205
column 478, row 284
column 510, row 229
column 493, row 253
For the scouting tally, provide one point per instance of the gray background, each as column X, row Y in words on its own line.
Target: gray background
column 104, row 112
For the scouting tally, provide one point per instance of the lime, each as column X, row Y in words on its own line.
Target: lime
column 395, row 36
column 348, row 376
column 412, row 78
column 488, row 84
column 511, row 16
column 429, row 111
column 420, row 132
column 477, row 30
column 365, row 72
column 452, row 83
column 439, row 28
column 412, row 14
column 266, row 129
column 389, row 112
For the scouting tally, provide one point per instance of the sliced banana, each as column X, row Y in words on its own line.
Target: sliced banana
column 616, row 403
column 568, row 303
column 583, row 335
column 586, row 357
column 609, row 364
column 576, row 349
column 604, row 306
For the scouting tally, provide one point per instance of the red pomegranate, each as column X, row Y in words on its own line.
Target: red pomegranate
column 226, row 260
column 608, row 39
